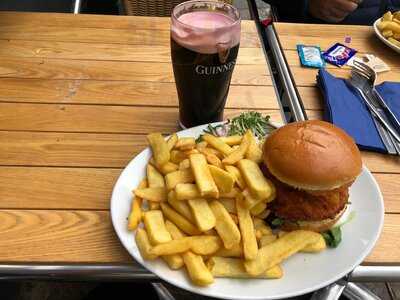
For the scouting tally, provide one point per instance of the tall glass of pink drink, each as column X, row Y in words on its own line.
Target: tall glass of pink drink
column 205, row 38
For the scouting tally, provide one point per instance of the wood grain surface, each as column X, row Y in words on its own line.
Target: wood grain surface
column 122, row 93
column 78, row 95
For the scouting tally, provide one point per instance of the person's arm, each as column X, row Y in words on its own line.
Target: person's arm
column 333, row 11
column 291, row 10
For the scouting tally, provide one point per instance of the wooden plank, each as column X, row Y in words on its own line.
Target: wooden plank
column 386, row 250
column 59, row 236
column 311, row 97
column 100, row 35
column 96, row 21
column 122, row 93
column 115, row 70
column 69, row 149
column 95, row 118
column 389, row 184
column 115, row 52
column 88, row 236
column 58, row 188
column 323, row 31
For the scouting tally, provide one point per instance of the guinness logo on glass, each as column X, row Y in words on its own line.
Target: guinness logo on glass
column 214, row 70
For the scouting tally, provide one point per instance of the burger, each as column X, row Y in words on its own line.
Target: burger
column 312, row 165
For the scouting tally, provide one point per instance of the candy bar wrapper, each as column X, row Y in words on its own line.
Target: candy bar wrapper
column 310, row 56
column 338, row 54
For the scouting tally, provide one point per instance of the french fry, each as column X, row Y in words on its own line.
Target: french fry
column 216, row 143
column 318, row 246
column 184, row 164
column 177, row 156
column 174, row 261
column 212, row 151
column 167, row 168
column 393, row 41
column 267, row 239
column 157, row 194
column 226, row 228
column 159, row 147
column 191, row 151
column 250, row 247
column 387, row 16
column 254, row 178
column 274, row 253
column 254, row 152
column 173, row 230
column 172, row 141
column 202, row 174
column 205, row 244
column 387, row 33
column 201, row 245
column 249, row 201
column 213, row 160
column 239, row 153
column 259, row 224
column 258, row 208
column 222, row 179
column 135, row 216
column 197, row 270
column 233, row 268
column 200, row 146
column 236, row 175
column 172, row 247
column 180, row 176
column 179, row 220
column 202, row 213
column 232, row 194
column 235, row 251
column 185, row 143
column 186, row 191
column 275, row 272
column 180, row 206
column 143, row 244
column 154, row 178
column 231, row 140
column 229, row 204
column 155, row 227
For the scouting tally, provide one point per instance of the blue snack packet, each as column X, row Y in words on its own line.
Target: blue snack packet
column 310, row 56
column 338, row 54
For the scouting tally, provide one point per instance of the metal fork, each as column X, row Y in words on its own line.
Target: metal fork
column 373, row 97
column 371, row 76
column 358, row 85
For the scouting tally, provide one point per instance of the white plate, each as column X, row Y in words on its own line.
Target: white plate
column 383, row 39
column 303, row 272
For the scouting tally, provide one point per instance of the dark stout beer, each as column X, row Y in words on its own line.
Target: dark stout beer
column 204, row 48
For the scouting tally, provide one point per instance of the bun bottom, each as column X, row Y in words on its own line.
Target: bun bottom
column 317, row 226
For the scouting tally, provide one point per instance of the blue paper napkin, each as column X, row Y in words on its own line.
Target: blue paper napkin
column 345, row 109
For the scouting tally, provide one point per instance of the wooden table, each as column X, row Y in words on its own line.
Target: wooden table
column 78, row 94
column 386, row 168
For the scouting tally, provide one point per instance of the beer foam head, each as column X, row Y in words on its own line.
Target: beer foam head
column 206, row 31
